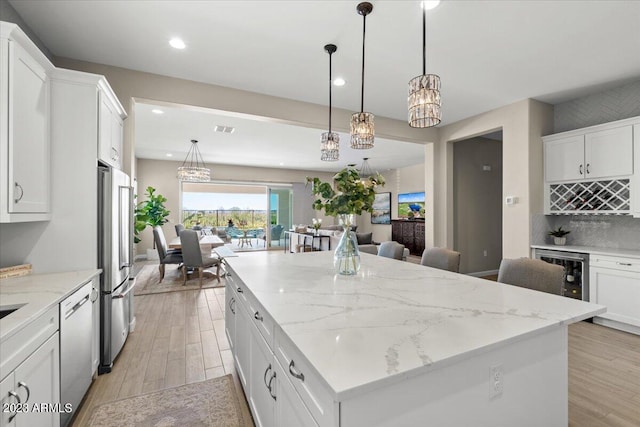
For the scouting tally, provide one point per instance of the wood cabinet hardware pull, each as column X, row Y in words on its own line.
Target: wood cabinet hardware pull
column 298, row 375
column 231, row 303
column 580, row 169
column 14, row 395
column 240, row 290
column 588, row 168
column 257, row 316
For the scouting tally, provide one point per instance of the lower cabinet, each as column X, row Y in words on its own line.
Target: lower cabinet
column 31, row 393
column 615, row 283
column 272, row 398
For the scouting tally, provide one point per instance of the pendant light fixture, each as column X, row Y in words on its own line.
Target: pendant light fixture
column 193, row 168
column 424, row 91
column 330, row 145
column 365, row 170
column 362, row 129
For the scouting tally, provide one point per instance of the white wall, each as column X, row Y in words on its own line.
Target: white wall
column 523, row 124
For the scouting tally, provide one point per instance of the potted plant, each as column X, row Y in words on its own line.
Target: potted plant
column 150, row 212
column 348, row 196
column 559, row 236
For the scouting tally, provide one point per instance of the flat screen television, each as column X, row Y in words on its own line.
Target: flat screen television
column 411, row 205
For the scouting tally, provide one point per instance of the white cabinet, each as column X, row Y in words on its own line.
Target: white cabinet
column 30, row 372
column 110, row 116
column 615, row 283
column 606, row 153
column 272, row 398
column 24, row 120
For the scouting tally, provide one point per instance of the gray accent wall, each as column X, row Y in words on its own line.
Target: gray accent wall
column 9, row 14
column 601, row 231
column 603, row 107
column 477, row 204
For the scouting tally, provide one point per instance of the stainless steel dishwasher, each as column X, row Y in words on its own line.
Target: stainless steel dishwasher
column 75, row 349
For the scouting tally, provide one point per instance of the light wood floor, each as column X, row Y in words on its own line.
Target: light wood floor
column 179, row 339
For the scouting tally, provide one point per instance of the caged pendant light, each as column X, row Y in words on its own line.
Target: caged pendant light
column 195, row 169
column 330, row 145
column 362, row 129
column 424, row 91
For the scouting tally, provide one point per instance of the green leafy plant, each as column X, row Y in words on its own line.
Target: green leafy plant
column 150, row 212
column 559, row 232
column 348, row 195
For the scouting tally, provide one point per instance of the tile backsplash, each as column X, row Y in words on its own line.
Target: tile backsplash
column 606, row 231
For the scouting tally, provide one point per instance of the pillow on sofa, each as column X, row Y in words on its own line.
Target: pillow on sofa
column 364, row 238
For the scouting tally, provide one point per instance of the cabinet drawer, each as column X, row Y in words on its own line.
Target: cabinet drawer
column 261, row 319
column 618, row 263
column 305, row 381
column 17, row 348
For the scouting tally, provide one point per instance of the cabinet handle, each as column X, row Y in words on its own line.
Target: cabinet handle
column 298, row 375
column 240, row 290
column 264, row 377
column 580, row 169
column 231, row 304
column 626, row 264
column 18, row 187
column 588, row 168
column 15, row 395
column 273, row 377
column 23, row 384
column 257, row 316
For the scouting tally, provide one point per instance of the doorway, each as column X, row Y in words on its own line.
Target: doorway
column 477, row 203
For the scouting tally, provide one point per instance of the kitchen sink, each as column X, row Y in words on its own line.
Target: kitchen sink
column 6, row 310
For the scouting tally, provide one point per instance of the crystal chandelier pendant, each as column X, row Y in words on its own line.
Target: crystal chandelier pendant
column 362, row 131
column 424, row 101
column 193, row 168
column 330, row 147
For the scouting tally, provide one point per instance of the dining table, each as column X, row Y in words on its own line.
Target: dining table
column 207, row 242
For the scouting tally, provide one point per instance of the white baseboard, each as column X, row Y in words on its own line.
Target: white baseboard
column 482, row 273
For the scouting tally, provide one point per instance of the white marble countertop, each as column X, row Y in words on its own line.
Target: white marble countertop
column 394, row 319
column 591, row 250
column 38, row 292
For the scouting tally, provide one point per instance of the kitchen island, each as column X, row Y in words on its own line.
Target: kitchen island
column 398, row 344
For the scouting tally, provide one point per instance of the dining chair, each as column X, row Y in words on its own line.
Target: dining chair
column 532, row 274
column 165, row 255
column 194, row 258
column 391, row 249
column 441, row 258
column 179, row 228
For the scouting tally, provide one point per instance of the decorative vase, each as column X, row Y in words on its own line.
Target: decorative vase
column 346, row 258
column 560, row 241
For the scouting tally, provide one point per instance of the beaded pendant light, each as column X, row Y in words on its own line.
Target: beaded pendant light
column 330, row 144
column 424, row 91
column 193, row 168
column 362, row 128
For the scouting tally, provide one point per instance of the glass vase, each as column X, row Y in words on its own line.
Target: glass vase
column 346, row 258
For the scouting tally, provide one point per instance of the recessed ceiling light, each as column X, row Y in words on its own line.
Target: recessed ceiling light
column 281, row 164
column 339, row 81
column 177, row 43
column 169, row 155
column 430, row 4
column 156, row 111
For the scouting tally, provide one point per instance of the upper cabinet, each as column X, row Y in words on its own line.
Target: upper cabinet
column 110, row 125
column 592, row 155
column 24, row 124
column 592, row 170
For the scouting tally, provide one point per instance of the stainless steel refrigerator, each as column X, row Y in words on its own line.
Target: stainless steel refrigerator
column 115, row 203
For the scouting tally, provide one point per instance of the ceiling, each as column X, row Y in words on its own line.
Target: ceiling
column 488, row 53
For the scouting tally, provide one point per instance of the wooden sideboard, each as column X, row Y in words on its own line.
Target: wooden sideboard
column 410, row 234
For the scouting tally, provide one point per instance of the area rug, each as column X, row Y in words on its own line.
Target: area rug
column 208, row 403
column 148, row 280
